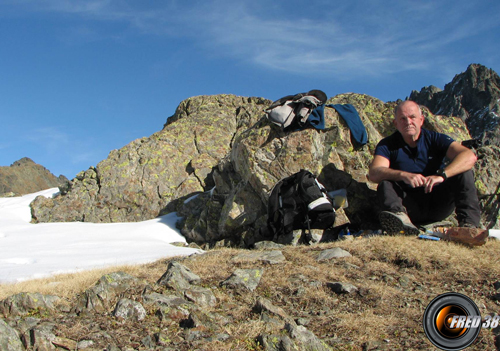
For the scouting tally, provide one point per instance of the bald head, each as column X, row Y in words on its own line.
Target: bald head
column 408, row 120
column 405, row 104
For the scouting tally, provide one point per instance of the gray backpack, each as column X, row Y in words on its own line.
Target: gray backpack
column 292, row 111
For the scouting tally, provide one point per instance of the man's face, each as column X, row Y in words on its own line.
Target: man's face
column 409, row 120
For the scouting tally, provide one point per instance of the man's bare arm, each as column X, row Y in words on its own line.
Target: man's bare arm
column 379, row 170
column 462, row 159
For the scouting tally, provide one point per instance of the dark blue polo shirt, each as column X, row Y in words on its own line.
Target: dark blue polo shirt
column 424, row 159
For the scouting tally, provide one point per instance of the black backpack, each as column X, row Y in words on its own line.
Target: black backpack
column 298, row 202
column 292, row 111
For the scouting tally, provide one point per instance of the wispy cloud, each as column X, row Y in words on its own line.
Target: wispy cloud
column 53, row 142
column 358, row 37
column 4, row 146
column 51, row 139
column 86, row 157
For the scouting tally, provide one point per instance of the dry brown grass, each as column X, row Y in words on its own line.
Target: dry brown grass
column 63, row 285
column 397, row 277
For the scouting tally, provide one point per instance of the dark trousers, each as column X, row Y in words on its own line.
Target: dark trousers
column 457, row 193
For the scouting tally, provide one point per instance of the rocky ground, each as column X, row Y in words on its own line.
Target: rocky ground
column 367, row 293
column 224, row 156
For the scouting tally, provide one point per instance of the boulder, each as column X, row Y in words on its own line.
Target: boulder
column 104, row 293
column 246, row 279
column 217, row 159
column 178, row 277
column 130, row 310
column 342, row 288
column 138, row 181
column 9, row 338
column 25, row 303
column 336, row 252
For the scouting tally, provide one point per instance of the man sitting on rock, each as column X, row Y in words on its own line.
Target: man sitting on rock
column 413, row 185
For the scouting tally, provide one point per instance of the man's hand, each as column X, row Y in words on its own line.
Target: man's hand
column 414, row 180
column 431, row 181
column 418, row 180
column 379, row 171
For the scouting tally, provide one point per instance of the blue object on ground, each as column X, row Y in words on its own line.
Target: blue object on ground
column 428, row 237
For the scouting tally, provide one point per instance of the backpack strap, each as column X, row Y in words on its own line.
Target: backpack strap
column 306, row 105
column 281, row 101
column 318, row 202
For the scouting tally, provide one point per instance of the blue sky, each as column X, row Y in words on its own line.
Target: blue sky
column 81, row 78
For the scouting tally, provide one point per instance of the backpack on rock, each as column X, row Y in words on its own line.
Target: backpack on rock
column 292, row 111
column 298, row 202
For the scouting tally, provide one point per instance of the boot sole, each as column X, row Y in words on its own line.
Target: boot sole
column 392, row 224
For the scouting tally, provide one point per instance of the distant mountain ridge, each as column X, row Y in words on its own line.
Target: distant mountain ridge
column 474, row 96
column 25, row 176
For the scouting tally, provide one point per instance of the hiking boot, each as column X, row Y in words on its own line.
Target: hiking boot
column 466, row 225
column 397, row 223
column 467, row 235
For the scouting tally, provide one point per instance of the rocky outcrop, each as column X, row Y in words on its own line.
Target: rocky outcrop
column 474, row 96
column 138, row 181
column 25, row 177
column 217, row 159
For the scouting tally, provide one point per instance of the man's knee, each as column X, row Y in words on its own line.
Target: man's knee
column 463, row 183
column 465, row 179
column 389, row 197
column 385, row 186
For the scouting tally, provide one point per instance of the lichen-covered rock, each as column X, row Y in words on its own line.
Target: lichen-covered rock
column 487, row 176
column 25, row 303
column 268, row 257
column 217, row 159
column 130, row 310
column 42, row 337
column 244, row 279
column 105, row 291
column 305, row 338
column 263, row 305
column 169, row 307
column 138, row 181
column 9, row 338
column 164, row 300
column 298, row 338
column 201, row 296
column 178, row 277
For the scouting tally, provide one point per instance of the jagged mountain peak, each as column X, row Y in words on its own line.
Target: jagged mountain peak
column 473, row 95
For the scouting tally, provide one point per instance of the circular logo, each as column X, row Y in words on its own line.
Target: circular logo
column 452, row 321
